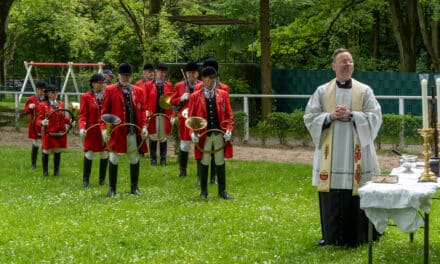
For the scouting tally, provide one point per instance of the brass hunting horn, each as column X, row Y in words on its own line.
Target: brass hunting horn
column 197, row 123
column 113, row 120
column 165, row 101
column 60, row 134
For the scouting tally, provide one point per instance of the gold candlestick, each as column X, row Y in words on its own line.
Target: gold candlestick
column 427, row 175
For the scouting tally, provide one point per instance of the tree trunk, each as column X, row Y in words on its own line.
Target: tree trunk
column 404, row 20
column 430, row 40
column 5, row 6
column 266, row 79
column 376, row 34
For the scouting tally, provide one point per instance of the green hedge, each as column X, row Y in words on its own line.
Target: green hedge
column 394, row 129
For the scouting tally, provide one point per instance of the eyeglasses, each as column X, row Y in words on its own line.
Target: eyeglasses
column 349, row 62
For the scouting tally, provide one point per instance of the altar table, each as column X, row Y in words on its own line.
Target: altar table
column 400, row 202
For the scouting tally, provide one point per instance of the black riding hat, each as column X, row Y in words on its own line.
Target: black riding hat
column 125, row 68
column 96, row 78
column 51, row 88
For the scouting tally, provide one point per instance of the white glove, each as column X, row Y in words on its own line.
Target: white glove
column 31, row 106
column 45, row 122
column 184, row 97
column 73, row 123
column 194, row 137
column 172, row 121
column 227, row 135
column 144, row 133
column 104, row 135
column 82, row 132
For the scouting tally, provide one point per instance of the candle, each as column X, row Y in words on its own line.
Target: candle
column 425, row 103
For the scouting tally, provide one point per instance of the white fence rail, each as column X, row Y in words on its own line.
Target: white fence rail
column 245, row 98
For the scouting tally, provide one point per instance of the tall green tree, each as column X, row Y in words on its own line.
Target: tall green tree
column 156, row 36
column 5, row 6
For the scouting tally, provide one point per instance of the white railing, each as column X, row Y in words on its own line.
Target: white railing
column 245, row 97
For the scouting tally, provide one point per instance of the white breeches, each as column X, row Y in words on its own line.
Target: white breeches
column 214, row 141
column 132, row 151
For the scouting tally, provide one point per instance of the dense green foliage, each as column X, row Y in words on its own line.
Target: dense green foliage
column 303, row 33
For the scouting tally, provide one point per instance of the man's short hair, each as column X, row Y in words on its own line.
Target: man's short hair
column 337, row 51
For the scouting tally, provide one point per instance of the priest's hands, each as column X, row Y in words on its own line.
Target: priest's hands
column 341, row 113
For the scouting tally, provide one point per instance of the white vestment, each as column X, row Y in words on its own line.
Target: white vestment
column 364, row 125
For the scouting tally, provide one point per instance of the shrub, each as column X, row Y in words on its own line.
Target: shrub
column 396, row 128
column 390, row 130
column 298, row 128
column 263, row 131
column 240, row 119
column 280, row 123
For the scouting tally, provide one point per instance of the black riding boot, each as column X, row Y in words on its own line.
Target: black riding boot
column 112, row 179
column 56, row 164
column 134, row 177
column 213, row 181
column 163, row 153
column 103, row 163
column 153, row 152
column 34, row 155
column 45, row 160
column 183, row 160
column 198, row 171
column 204, row 180
column 221, row 174
column 86, row 171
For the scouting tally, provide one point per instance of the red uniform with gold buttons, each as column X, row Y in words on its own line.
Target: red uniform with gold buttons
column 89, row 118
column 197, row 107
column 152, row 101
column 56, row 126
column 114, row 103
column 179, row 89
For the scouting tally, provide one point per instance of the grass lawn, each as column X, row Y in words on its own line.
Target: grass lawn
column 274, row 217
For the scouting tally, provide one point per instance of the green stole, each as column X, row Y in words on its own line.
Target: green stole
column 326, row 147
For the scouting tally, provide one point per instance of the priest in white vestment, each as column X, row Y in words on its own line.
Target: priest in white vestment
column 343, row 118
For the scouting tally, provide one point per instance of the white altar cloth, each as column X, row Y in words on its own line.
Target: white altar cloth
column 400, row 202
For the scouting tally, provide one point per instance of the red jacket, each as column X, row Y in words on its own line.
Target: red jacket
column 220, row 85
column 90, row 116
column 179, row 89
column 114, row 103
column 197, row 107
column 34, row 132
column 151, row 101
column 57, row 124
column 141, row 84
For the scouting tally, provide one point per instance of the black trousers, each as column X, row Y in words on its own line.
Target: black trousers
column 343, row 223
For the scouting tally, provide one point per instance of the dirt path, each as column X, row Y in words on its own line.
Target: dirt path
column 252, row 151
